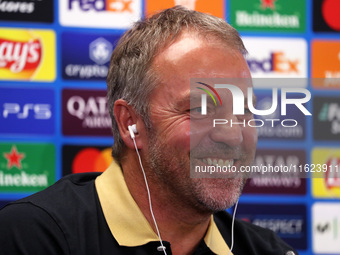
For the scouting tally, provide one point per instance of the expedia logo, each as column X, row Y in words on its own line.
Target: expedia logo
column 18, row 56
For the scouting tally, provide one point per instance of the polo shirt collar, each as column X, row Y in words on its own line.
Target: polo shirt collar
column 127, row 222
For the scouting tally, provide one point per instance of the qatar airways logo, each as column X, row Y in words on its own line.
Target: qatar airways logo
column 240, row 102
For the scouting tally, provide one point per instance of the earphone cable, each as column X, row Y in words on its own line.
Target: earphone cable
column 149, row 197
column 232, row 229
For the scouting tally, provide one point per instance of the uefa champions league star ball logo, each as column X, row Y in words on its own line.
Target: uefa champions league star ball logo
column 100, row 51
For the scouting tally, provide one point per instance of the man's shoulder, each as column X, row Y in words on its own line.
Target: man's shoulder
column 249, row 238
column 61, row 219
column 68, row 189
column 71, row 195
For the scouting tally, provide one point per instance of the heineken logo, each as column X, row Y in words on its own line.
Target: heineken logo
column 268, row 4
column 26, row 167
column 257, row 19
column 268, row 15
column 14, row 158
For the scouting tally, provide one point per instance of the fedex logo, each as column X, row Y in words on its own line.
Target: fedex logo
column 102, row 5
column 117, row 14
column 277, row 58
column 39, row 111
column 276, row 62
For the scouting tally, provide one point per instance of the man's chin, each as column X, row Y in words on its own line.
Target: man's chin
column 219, row 194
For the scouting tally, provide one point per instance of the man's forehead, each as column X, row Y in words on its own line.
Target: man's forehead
column 185, row 43
column 215, row 84
column 199, row 88
column 191, row 41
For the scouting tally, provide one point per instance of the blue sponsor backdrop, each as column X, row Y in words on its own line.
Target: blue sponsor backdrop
column 81, row 54
column 27, row 111
column 86, row 56
column 288, row 221
column 276, row 126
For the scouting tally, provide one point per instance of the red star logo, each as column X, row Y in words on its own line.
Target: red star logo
column 14, row 158
column 268, row 4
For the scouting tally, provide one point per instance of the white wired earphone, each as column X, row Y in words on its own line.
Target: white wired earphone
column 133, row 131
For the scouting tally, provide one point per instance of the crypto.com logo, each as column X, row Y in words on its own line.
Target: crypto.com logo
column 239, row 104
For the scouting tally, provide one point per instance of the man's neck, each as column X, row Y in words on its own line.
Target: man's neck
column 183, row 226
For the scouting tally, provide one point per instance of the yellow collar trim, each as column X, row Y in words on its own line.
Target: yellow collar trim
column 126, row 221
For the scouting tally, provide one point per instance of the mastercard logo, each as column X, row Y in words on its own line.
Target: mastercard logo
column 330, row 13
column 27, row 54
column 92, row 160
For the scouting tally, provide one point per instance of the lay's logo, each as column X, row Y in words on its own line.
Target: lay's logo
column 326, row 183
column 27, row 55
column 20, row 56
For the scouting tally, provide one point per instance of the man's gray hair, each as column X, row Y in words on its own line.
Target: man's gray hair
column 130, row 75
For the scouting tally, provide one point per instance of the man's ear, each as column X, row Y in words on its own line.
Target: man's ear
column 125, row 116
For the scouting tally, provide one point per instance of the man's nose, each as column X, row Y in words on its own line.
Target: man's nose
column 228, row 131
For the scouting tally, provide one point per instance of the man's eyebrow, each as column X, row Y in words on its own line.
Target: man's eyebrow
column 188, row 97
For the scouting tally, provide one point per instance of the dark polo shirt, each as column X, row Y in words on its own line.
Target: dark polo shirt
column 93, row 214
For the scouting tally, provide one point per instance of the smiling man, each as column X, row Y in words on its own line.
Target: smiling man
column 146, row 202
